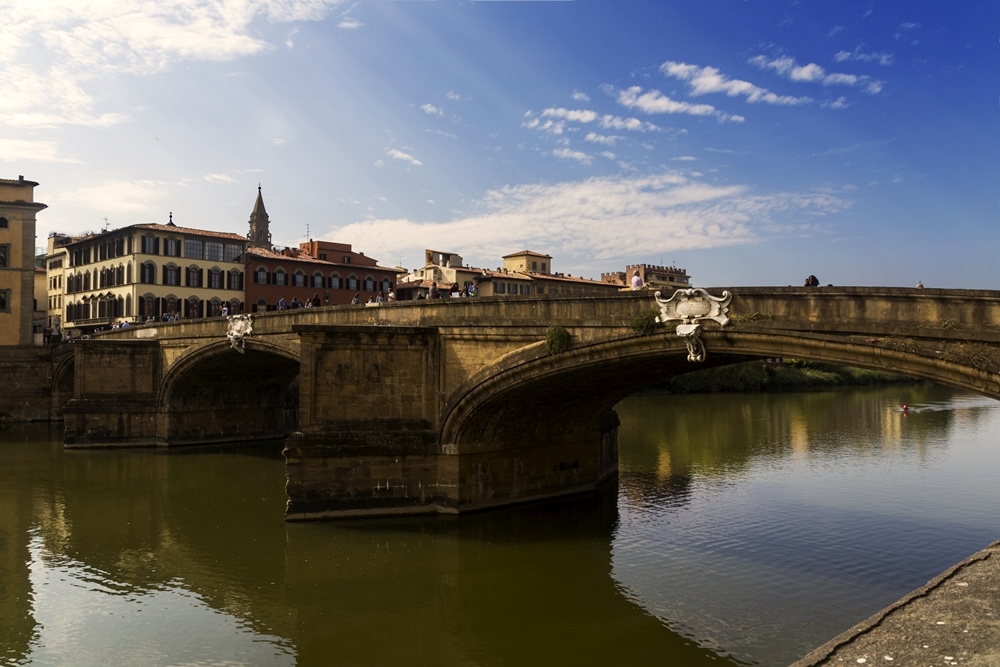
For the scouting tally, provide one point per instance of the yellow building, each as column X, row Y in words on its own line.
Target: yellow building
column 147, row 272
column 523, row 273
column 17, row 260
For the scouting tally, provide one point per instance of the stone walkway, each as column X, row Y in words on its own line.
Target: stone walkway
column 953, row 620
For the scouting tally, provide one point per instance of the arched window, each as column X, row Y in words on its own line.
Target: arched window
column 352, row 283
column 193, row 307
column 386, row 285
column 194, row 278
column 369, row 284
column 171, row 275
column 170, row 306
column 317, row 281
column 147, row 274
column 334, row 281
column 299, row 279
column 280, row 278
column 260, row 275
column 150, row 245
column 128, row 273
column 261, row 306
column 236, row 279
column 215, row 279
column 171, row 247
column 147, row 307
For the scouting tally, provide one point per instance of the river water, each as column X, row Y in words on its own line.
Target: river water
column 744, row 529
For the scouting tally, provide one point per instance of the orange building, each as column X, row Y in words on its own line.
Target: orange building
column 330, row 272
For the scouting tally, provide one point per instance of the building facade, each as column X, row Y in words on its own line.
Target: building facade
column 523, row 273
column 320, row 272
column 17, row 260
column 146, row 272
column 653, row 277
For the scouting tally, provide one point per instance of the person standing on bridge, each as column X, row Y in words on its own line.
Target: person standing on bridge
column 636, row 280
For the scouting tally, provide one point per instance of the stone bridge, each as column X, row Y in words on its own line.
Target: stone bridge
column 465, row 404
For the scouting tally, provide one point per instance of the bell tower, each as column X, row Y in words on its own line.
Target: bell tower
column 260, row 235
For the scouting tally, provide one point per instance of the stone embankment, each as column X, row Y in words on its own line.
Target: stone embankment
column 953, row 620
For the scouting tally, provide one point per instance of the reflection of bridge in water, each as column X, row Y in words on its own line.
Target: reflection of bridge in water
column 460, row 404
column 202, row 526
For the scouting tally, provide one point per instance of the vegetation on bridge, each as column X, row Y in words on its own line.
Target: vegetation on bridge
column 789, row 375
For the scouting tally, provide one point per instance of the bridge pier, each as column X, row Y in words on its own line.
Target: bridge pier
column 379, row 469
column 370, row 435
column 114, row 399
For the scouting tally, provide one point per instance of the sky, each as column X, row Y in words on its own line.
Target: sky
column 750, row 142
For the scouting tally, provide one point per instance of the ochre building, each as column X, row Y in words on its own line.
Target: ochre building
column 17, row 260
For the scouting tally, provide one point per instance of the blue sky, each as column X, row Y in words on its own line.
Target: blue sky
column 752, row 142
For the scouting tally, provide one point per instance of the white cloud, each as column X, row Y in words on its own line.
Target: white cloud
column 122, row 199
column 403, row 157
column 567, row 154
column 881, row 58
column 26, row 150
column 654, row 102
column 431, row 110
column 705, row 80
column 786, row 67
column 53, row 49
column 662, row 212
column 607, row 140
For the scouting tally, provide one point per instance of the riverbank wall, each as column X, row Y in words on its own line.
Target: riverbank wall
column 954, row 619
column 26, row 389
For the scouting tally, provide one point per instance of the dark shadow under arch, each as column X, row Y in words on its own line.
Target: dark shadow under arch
column 221, row 395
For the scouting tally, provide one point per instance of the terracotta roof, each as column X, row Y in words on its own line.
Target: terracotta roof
column 24, row 204
column 527, row 252
column 272, row 256
column 186, row 230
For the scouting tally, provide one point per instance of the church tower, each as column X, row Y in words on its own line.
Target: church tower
column 260, row 235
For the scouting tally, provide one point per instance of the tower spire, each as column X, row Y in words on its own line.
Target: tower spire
column 260, row 235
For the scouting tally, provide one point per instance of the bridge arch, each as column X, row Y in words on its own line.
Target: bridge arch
column 530, row 394
column 216, row 394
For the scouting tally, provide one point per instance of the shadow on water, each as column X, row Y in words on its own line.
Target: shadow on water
column 198, row 533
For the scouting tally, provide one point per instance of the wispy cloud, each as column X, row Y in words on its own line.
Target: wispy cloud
column 787, row 67
column 665, row 212
column 655, row 102
column 858, row 55
column 403, row 157
column 121, row 201
column 708, row 80
column 554, row 120
column 51, row 50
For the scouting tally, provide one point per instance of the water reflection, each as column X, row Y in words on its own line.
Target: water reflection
column 743, row 529
column 781, row 515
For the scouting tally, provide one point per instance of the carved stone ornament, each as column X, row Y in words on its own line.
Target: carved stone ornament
column 690, row 307
column 240, row 326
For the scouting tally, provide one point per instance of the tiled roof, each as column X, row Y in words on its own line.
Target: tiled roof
column 187, row 230
column 271, row 256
